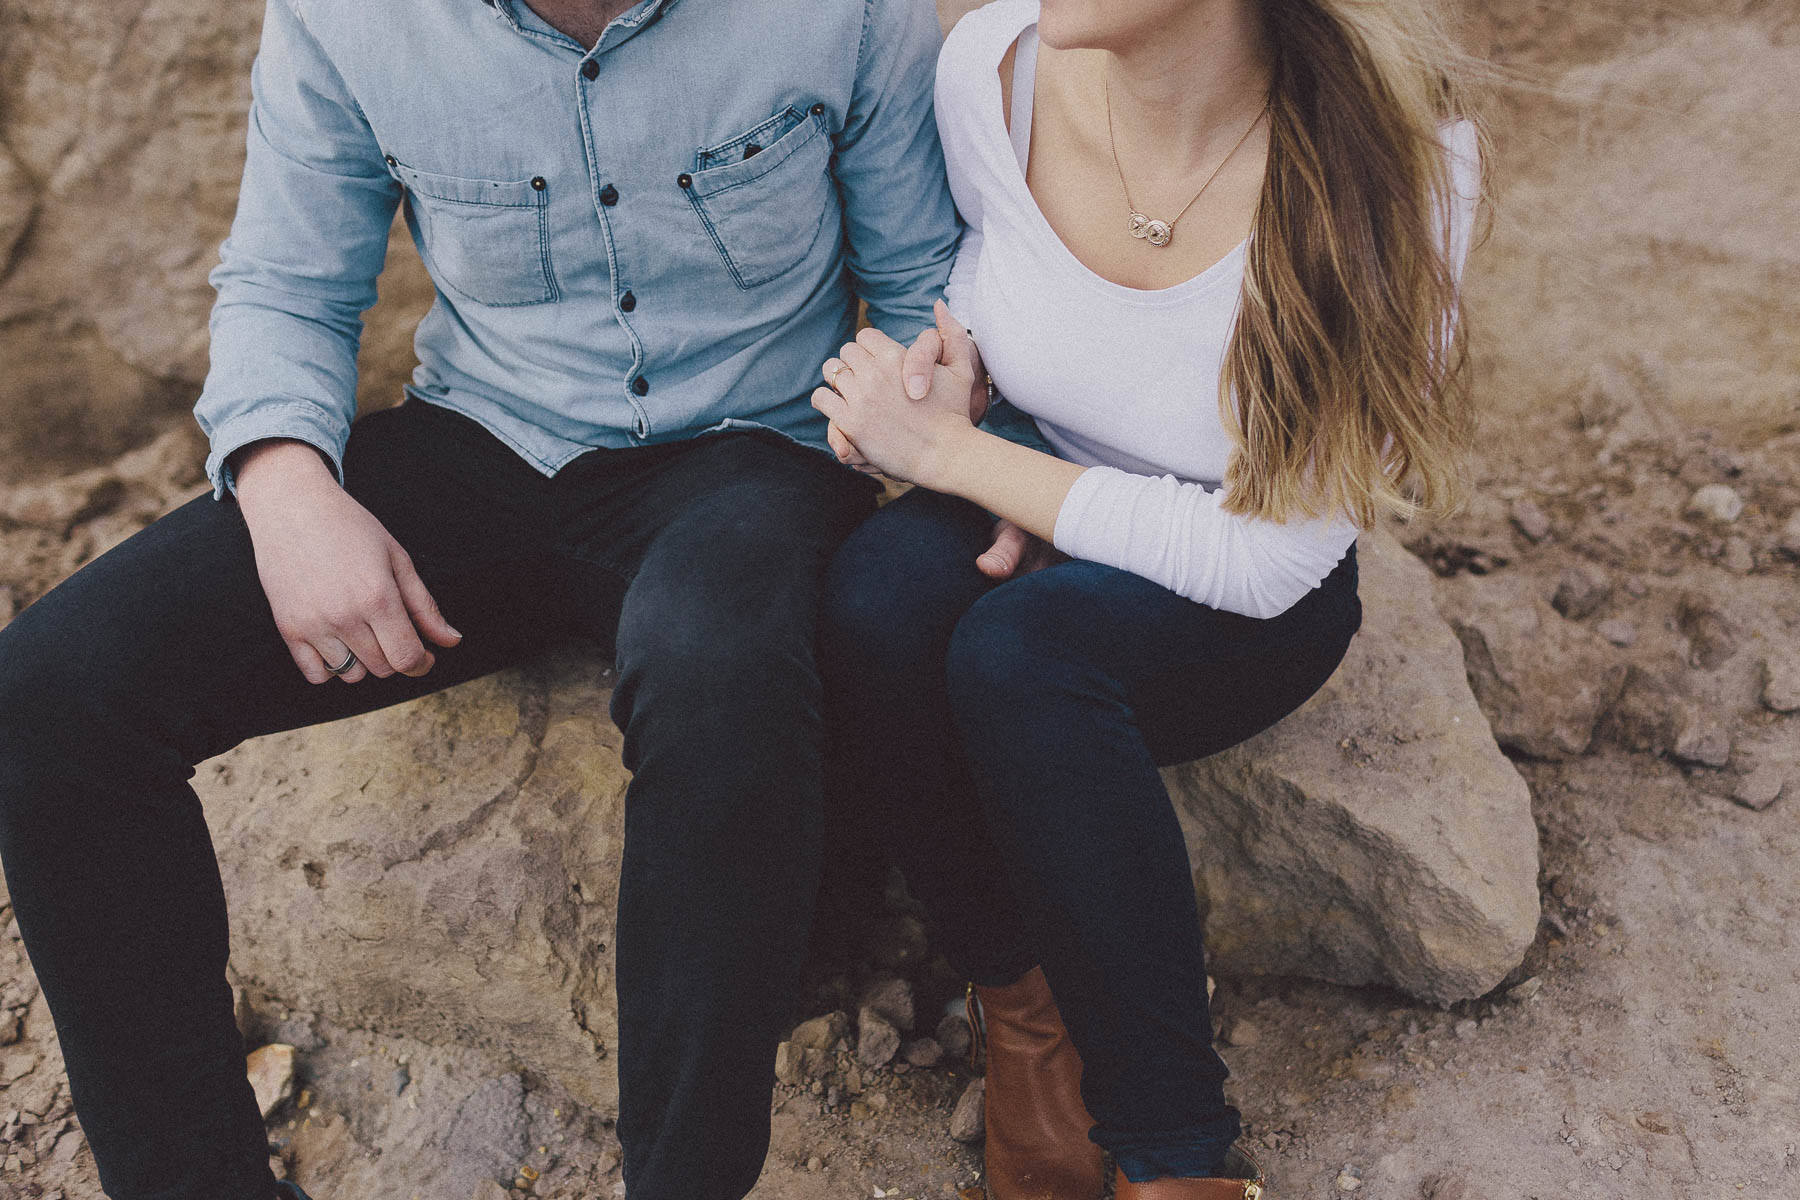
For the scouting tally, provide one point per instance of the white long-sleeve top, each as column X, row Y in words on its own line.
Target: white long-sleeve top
column 1121, row 380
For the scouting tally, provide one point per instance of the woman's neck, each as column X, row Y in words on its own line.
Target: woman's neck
column 1187, row 85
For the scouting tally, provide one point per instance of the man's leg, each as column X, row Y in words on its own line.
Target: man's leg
column 159, row 654
column 894, row 593
column 725, row 544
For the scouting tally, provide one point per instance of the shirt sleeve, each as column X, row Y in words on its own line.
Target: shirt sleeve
column 1178, row 534
column 299, row 266
column 900, row 223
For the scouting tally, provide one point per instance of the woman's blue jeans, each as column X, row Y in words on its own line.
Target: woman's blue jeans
column 1005, row 740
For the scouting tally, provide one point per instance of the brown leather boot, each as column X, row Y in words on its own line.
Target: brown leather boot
column 1037, row 1126
column 1243, row 1181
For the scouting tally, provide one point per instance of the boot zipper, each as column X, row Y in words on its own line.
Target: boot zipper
column 976, row 1036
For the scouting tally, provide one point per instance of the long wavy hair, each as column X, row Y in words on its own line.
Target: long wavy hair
column 1345, row 385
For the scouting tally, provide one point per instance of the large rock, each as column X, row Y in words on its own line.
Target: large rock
column 1377, row 835
column 447, row 868
column 1543, row 681
column 121, row 143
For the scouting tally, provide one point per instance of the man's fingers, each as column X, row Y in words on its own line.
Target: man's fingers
column 830, row 403
column 921, row 359
column 400, row 645
column 959, row 347
column 330, row 649
column 419, row 603
column 309, row 662
column 843, row 447
column 999, row 560
column 369, row 654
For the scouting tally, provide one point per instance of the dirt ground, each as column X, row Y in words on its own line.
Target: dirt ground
column 1636, row 343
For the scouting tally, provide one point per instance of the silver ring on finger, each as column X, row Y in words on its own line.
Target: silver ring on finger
column 349, row 661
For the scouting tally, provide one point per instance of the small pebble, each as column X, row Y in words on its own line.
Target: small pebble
column 1739, row 559
column 1781, row 683
column 1761, row 788
column 1618, row 631
column 1527, row 989
column 1529, row 519
column 815, row 1164
column 967, row 1122
column 1790, row 535
column 1465, row 1028
column 1715, row 502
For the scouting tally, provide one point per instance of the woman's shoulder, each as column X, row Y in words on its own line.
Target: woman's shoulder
column 975, row 45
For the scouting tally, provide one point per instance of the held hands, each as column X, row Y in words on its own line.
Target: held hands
column 876, row 425
column 946, row 349
column 335, row 579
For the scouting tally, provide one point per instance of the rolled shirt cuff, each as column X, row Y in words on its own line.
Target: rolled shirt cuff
column 296, row 419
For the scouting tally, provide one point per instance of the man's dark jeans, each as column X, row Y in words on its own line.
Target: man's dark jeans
column 700, row 563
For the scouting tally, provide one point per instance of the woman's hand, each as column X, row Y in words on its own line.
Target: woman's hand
column 335, row 579
column 947, row 342
column 875, row 425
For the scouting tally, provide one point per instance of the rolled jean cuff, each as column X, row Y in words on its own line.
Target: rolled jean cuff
column 1196, row 1152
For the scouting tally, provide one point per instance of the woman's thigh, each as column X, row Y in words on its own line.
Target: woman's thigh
column 1194, row 679
column 898, row 584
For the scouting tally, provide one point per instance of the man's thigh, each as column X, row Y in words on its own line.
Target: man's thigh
column 721, row 543
column 172, row 627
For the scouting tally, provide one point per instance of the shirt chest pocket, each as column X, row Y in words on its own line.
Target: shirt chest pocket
column 766, row 195
column 486, row 240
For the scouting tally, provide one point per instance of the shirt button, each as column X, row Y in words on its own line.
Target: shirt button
column 391, row 161
column 627, row 303
column 537, row 183
column 684, row 181
column 609, row 195
column 590, row 69
column 817, row 110
column 641, row 386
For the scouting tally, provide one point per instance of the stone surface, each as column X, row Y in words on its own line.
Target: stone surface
column 446, row 869
column 1544, row 682
column 1715, row 502
column 1781, row 681
column 1529, row 519
column 877, row 1040
column 121, row 142
column 967, row 1120
column 271, row 1071
column 1580, row 591
column 1377, row 835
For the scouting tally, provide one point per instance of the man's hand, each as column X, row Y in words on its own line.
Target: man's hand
column 948, row 344
column 334, row 577
column 1015, row 553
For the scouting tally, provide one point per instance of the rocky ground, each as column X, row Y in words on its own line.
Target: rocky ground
column 1646, row 1047
column 1626, row 585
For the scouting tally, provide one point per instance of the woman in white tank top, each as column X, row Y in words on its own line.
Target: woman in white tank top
column 1211, row 263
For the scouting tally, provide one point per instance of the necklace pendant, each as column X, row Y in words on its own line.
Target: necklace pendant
column 1149, row 229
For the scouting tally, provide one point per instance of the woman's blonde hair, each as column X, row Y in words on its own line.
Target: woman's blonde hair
column 1350, row 329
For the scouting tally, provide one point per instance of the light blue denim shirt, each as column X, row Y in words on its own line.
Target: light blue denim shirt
column 657, row 237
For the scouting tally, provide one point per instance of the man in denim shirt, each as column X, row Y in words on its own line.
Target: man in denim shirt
column 648, row 224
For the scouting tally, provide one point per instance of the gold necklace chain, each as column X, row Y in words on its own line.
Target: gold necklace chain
column 1149, row 229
